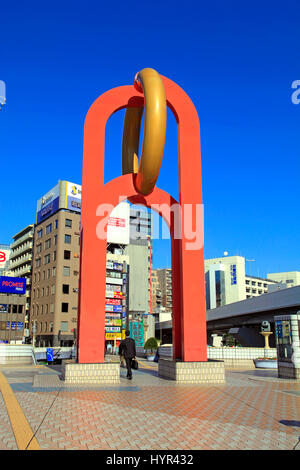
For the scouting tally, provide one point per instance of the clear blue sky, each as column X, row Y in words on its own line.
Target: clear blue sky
column 235, row 59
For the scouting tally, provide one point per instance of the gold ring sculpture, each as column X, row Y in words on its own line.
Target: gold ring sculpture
column 150, row 82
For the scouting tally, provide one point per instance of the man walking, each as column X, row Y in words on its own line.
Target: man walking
column 128, row 350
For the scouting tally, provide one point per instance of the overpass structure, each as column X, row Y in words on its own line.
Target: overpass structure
column 243, row 319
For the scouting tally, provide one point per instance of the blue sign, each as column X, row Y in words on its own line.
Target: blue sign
column 49, row 354
column 12, row 285
column 47, row 210
column 74, row 204
column 137, row 333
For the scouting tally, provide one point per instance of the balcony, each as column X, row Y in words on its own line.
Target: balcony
column 21, row 260
column 22, row 239
column 22, row 249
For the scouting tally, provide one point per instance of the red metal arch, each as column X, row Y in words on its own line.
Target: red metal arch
column 189, row 310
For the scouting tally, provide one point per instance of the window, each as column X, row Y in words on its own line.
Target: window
column 38, row 262
column 64, row 307
column 48, row 274
column 44, row 275
column 53, row 289
column 39, row 248
column 56, row 223
column 54, row 255
column 47, row 260
column 54, row 271
column 67, row 238
column 51, row 308
column 43, row 291
column 66, row 271
column 55, row 239
column 49, row 228
column 67, row 254
column 51, row 327
column 64, row 326
column 65, row 288
column 48, row 244
column 40, row 233
column 68, row 223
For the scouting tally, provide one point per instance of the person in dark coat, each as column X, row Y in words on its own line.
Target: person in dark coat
column 128, row 350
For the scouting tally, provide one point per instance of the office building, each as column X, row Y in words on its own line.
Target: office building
column 54, row 299
column 164, row 279
column 290, row 279
column 226, row 282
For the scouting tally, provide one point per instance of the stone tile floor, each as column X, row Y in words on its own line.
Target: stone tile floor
column 254, row 410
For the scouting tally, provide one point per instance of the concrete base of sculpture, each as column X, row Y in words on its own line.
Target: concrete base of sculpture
column 210, row 372
column 81, row 374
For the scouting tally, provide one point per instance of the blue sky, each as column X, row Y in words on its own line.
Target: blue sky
column 236, row 60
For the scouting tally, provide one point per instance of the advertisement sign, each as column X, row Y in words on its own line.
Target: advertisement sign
column 73, row 196
column 118, row 224
column 113, row 301
column 48, row 204
column 3, row 308
column 113, row 335
column 113, row 295
column 137, row 333
column 4, row 257
column 113, row 308
column 12, row 285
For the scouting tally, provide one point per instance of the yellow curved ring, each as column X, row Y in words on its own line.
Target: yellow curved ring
column 154, row 132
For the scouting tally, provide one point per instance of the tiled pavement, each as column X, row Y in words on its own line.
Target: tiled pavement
column 253, row 411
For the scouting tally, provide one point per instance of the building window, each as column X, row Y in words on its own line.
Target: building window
column 39, row 248
column 48, row 244
column 64, row 326
column 38, row 262
column 67, row 238
column 64, row 307
column 54, row 271
column 54, row 255
column 40, row 233
column 47, row 260
column 68, row 223
column 55, row 239
column 53, row 289
column 51, row 327
column 65, row 288
column 56, row 224
column 66, row 271
column 48, row 228
column 51, row 308
column 67, row 254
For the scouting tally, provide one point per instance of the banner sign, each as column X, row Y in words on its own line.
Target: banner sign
column 12, row 285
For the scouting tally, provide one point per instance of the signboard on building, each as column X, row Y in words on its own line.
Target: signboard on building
column 137, row 332
column 48, row 204
column 118, row 225
column 12, row 285
column 4, row 257
column 73, row 196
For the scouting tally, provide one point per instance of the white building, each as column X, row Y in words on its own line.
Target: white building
column 291, row 278
column 226, row 281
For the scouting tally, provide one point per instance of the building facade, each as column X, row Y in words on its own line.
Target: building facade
column 21, row 264
column 290, row 279
column 226, row 282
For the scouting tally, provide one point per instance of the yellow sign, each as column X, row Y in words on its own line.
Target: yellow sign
column 113, row 336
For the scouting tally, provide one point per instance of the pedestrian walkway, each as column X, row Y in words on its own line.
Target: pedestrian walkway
column 254, row 410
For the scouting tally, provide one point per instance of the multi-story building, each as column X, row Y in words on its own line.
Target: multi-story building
column 226, row 282
column 54, row 299
column 21, row 262
column 291, row 278
column 164, row 278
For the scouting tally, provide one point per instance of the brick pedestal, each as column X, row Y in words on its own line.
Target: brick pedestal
column 104, row 373
column 192, row 372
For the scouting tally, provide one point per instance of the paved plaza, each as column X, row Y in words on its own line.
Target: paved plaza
column 254, row 410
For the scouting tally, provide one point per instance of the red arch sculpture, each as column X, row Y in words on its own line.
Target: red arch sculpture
column 188, row 286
